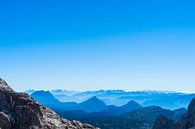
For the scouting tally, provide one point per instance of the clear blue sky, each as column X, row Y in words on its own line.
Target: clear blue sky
column 98, row 44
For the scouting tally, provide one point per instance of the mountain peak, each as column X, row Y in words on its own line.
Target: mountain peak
column 94, row 98
column 92, row 105
column 132, row 104
column 4, row 87
column 45, row 98
column 43, row 93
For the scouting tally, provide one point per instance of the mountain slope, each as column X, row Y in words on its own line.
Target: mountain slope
column 119, row 97
column 45, row 98
column 142, row 118
column 19, row 111
column 92, row 105
column 119, row 110
column 179, row 112
column 48, row 100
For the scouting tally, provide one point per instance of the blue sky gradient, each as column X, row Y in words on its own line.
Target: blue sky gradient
column 90, row 45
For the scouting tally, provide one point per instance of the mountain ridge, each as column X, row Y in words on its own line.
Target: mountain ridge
column 90, row 105
column 174, row 100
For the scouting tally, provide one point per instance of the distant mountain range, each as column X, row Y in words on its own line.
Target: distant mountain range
column 91, row 105
column 47, row 99
column 142, row 118
column 173, row 100
column 97, row 113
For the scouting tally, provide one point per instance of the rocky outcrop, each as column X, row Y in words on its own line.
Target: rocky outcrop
column 163, row 123
column 20, row 111
column 186, row 122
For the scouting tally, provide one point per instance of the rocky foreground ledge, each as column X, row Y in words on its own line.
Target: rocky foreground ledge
column 20, row 111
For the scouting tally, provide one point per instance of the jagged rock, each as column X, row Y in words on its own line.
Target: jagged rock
column 20, row 111
column 4, row 86
column 190, row 118
column 163, row 123
column 186, row 122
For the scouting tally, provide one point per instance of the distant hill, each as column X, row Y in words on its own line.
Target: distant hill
column 119, row 110
column 92, row 105
column 150, row 113
column 180, row 112
column 47, row 99
column 142, row 118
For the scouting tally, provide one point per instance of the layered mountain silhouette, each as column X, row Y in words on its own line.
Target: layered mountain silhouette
column 20, row 111
column 142, row 118
column 128, row 116
column 47, row 99
column 91, row 105
column 119, row 110
column 95, row 112
column 186, row 122
column 166, row 100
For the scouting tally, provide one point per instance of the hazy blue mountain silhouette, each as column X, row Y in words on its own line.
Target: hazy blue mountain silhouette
column 141, row 118
column 47, row 99
column 92, row 105
column 119, row 110
column 119, row 97
column 97, row 113
column 110, row 111
column 179, row 112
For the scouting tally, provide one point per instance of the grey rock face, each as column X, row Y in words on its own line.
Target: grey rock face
column 19, row 111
